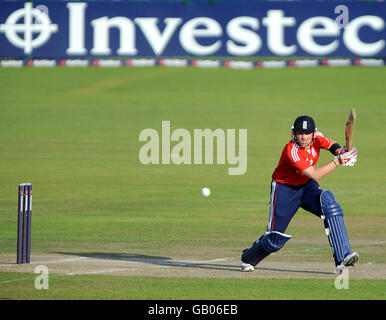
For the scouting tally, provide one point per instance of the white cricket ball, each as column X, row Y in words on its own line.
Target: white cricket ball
column 205, row 192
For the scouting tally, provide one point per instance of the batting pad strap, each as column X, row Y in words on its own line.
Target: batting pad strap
column 274, row 241
column 329, row 205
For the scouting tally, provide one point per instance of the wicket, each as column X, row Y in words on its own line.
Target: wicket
column 24, row 223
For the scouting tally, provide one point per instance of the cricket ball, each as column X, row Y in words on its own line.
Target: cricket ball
column 205, row 192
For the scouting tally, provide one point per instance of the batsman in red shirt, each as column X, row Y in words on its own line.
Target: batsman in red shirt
column 294, row 185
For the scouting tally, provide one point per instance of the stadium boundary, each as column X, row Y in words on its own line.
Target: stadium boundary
column 198, row 63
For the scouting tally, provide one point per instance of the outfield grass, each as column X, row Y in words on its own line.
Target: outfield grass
column 74, row 133
column 117, row 287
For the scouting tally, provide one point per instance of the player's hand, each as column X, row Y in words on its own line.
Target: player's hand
column 347, row 158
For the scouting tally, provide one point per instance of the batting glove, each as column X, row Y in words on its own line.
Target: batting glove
column 347, row 158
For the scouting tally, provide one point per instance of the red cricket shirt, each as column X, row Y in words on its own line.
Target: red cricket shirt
column 294, row 160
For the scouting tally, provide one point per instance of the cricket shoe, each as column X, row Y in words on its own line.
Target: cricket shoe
column 349, row 261
column 246, row 267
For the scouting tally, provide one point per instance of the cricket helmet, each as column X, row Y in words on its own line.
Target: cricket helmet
column 304, row 124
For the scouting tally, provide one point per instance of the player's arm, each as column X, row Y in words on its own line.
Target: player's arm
column 347, row 159
column 335, row 148
column 320, row 172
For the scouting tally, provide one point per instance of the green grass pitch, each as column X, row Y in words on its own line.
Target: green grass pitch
column 73, row 133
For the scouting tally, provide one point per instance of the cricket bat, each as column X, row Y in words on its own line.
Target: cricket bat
column 350, row 128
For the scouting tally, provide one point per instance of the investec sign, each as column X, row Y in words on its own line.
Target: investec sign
column 171, row 29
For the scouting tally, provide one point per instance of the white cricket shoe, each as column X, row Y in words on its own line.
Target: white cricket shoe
column 350, row 260
column 246, row 267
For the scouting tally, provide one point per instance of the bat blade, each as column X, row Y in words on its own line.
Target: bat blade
column 350, row 128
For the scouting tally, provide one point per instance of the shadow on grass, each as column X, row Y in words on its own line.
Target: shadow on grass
column 166, row 261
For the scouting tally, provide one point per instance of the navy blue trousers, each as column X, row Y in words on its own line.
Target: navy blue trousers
column 286, row 200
